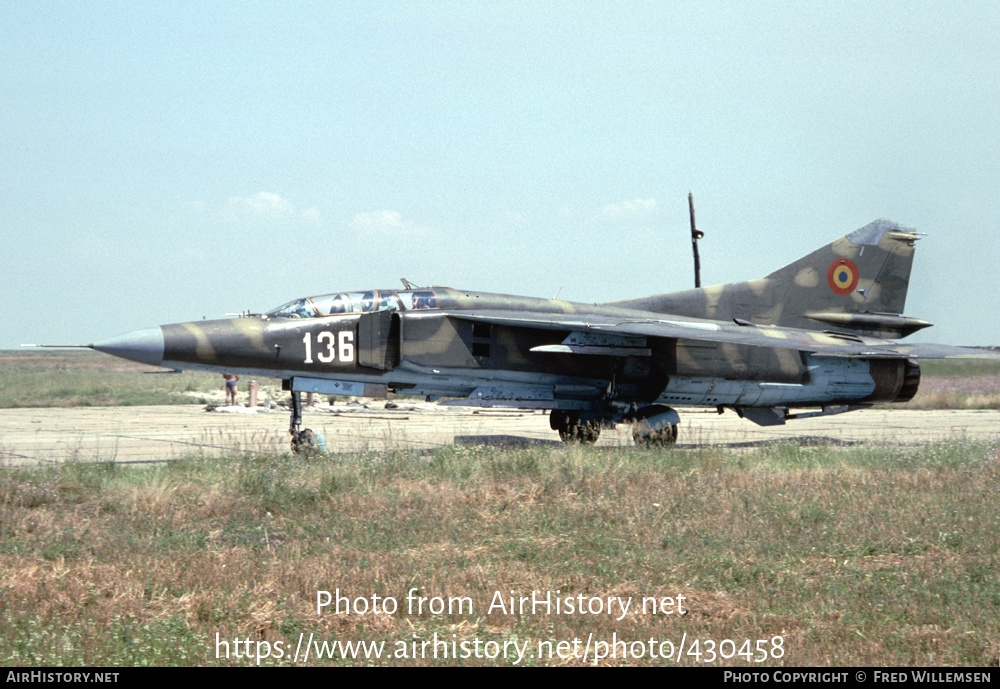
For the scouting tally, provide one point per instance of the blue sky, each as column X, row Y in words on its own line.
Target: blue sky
column 167, row 161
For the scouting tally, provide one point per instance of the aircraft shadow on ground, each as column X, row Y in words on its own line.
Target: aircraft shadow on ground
column 803, row 441
column 504, row 441
column 514, row 441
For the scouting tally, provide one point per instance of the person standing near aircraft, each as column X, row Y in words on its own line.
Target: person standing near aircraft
column 230, row 379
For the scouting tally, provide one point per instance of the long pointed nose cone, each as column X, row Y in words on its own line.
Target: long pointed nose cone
column 144, row 346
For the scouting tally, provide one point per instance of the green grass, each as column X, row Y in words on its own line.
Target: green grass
column 870, row 555
column 72, row 379
column 958, row 368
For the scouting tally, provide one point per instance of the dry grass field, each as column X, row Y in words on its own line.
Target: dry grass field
column 788, row 554
column 84, row 378
column 958, row 385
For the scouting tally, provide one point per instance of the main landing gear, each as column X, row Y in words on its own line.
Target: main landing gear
column 654, row 425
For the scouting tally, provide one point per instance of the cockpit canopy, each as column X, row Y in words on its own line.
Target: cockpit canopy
column 357, row 302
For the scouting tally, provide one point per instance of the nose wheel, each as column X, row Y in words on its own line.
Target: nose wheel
column 305, row 441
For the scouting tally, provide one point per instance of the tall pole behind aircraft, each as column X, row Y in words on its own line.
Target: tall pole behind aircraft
column 695, row 236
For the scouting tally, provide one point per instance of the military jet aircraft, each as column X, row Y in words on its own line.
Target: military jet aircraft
column 814, row 335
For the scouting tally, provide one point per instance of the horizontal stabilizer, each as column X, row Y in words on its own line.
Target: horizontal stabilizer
column 910, row 351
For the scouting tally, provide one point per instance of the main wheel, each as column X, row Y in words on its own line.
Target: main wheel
column 571, row 430
column 661, row 438
column 587, row 433
column 655, row 426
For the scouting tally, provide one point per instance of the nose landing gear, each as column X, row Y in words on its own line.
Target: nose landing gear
column 304, row 440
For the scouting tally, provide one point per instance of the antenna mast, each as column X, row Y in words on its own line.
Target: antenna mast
column 695, row 236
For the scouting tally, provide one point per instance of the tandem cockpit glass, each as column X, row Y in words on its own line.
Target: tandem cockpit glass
column 357, row 302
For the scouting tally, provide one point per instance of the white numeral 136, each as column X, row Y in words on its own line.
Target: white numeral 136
column 329, row 344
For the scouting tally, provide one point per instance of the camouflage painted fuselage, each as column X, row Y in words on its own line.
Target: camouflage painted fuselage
column 812, row 334
column 468, row 348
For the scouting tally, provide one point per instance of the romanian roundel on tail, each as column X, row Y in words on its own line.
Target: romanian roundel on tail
column 856, row 284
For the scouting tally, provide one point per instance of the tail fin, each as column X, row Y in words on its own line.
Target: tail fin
column 856, row 284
